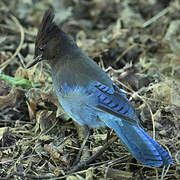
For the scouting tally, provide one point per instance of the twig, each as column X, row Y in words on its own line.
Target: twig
column 166, row 170
column 143, row 99
column 128, row 49
column 4, row 26
column 154, row 18
column 153, row 123
column 3, row 66
column 21, row 59
column 23, row 175
column 106, row 173
column 157, row 174
column 176, row 157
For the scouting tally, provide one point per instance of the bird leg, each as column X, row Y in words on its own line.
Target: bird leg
column 108, row 137
column 86, row 135
column 83, row 164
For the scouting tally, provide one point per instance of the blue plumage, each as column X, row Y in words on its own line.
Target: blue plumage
column 90, row 97
column 99, row 105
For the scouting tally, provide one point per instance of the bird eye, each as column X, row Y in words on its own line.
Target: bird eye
column 41, row 48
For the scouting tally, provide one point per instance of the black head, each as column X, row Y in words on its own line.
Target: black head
column 47, row 39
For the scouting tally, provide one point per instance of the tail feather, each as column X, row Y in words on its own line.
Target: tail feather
column 164, row 154
column 140, row 144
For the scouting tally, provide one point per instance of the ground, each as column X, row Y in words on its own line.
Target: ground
column 136, row 42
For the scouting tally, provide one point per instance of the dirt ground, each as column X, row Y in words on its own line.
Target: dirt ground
column 136, row 42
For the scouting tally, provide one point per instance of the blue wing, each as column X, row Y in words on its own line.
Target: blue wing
column 117, row 113
column 113, row 101
column 99, row 105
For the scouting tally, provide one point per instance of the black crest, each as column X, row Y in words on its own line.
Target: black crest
column 47, row 29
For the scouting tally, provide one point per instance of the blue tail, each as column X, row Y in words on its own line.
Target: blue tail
column 140, row 144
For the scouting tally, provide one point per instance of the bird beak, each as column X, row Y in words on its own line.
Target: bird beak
column 36, row 60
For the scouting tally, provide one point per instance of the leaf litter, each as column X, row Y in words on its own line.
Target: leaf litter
column 136, row 42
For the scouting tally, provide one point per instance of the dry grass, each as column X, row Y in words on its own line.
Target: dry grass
column 37, row 139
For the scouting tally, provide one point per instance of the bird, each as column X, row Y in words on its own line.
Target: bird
column 89, row 96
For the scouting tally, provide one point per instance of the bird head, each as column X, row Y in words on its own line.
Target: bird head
column 47, row 39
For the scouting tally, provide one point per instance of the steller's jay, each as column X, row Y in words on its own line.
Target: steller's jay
column 89, row 96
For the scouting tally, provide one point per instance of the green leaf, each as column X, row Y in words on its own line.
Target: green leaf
column 24, row 83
